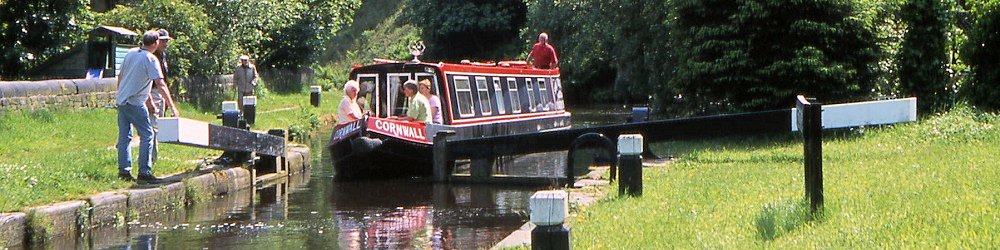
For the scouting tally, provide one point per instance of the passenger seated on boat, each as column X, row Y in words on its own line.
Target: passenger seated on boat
column 418, row 108
column 349, row 110
column 433, row 101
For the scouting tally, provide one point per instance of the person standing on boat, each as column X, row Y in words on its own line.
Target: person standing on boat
column 245, row 79
column 432, row 100
column 418, row 108
column 349, row 111
column 543, row 55
column 138, row 72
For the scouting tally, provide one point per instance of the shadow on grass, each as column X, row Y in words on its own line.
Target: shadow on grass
column 777, row 219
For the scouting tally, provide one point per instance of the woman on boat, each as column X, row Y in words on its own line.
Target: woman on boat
column 432, row 100
column 349, row 111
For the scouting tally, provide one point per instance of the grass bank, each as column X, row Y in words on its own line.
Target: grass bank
column 927, row 184
column 56, row 155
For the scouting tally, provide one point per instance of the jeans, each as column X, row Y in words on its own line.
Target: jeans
column 128, row 116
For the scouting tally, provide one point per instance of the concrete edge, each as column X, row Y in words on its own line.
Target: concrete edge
column 13, row 229
column 59, row 219
column 113, row 208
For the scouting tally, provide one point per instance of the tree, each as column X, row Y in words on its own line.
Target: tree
column 758, row 54
column 192, row 51
column 982, row 53
column 477, row 30
column 923, row 57
column 31, row 31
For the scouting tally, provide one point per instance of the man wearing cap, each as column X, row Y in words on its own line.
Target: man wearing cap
column 245, row 79
column 139, row 71
column 161, row 97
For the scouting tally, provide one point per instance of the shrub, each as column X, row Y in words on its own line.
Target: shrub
column 922, row 58
column 982, row 53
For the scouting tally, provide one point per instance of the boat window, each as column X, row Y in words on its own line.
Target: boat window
column 396, row 99
column 366, row 94
column 515, row 100
column 545, row 102
column 463, row 94
column 498, row 92
column 557, row 92
column 485, row 105
column 529, row 87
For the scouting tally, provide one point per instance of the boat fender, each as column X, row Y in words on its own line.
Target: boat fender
column 365, row 145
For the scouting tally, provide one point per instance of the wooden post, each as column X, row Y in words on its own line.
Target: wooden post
column 482, row 167
column 811, row 123
column 442, row 160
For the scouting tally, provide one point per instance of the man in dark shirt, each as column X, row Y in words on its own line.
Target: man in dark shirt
column 543, row 55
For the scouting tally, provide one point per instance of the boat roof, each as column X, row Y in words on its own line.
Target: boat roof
column 466, row 66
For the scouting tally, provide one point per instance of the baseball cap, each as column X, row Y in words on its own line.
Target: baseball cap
column 164, row 35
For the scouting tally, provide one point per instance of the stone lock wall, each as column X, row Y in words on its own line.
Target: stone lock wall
column 74, row 93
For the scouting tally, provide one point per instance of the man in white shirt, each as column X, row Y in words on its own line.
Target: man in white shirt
column 138, row 72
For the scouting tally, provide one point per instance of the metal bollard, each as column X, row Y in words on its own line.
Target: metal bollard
column 230, row 114
column 250, row 109
column 630, row 165
column 549, row 210
column 314, row 95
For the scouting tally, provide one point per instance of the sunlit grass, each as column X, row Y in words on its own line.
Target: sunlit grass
column 55, row 155
column 927, row 184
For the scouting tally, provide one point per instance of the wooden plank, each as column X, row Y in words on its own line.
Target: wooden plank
column 204, row 135
column 865, row 113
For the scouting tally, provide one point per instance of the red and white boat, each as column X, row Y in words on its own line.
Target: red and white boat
column 477, row 99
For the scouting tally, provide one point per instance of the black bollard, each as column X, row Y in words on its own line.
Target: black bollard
column 230, row 114
column 630, row 165
column 314, row 95
column 549, row 210
column 250, row 109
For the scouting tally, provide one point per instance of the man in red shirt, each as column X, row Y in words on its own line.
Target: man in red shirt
column 543, row 55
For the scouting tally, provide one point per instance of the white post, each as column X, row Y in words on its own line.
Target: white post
column 549, row 210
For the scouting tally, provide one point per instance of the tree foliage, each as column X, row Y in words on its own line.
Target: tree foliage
column 32, row 31
column 477, row 30
column 608, row 50
column 194, row 50
column 758, row 54
column 982, row 53
column 923, row 57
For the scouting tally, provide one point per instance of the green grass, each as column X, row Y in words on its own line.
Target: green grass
column 56, row 155
column 927, row 184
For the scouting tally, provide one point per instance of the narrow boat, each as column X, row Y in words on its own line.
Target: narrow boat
column 478, row 99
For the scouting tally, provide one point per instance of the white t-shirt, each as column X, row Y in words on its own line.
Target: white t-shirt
column 347, row 107
column 138, row 71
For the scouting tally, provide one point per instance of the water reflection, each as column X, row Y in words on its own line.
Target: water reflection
column 311, row 210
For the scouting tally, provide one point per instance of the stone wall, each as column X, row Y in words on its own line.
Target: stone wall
column 75, row 93
column 95, row 93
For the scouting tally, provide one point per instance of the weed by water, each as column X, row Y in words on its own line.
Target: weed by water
column 40, row 227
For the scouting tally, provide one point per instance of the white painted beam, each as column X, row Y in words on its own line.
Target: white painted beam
column 182, row 131
column 865, row 113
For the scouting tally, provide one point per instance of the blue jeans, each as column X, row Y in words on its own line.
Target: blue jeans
column 128, row 116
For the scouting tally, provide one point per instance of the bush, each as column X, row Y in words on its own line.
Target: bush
column 750, row 55
column 923, row 58
column 982, row 53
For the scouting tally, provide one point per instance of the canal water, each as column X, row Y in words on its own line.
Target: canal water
column 312, row 211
